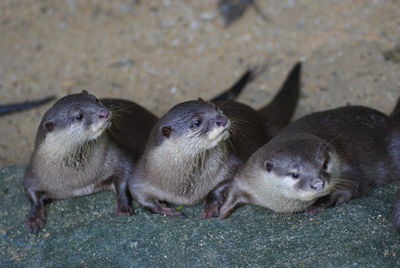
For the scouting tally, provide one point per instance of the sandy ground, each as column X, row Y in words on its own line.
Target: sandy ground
column 159, row 53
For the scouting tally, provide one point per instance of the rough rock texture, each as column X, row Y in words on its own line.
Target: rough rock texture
column 83, row 232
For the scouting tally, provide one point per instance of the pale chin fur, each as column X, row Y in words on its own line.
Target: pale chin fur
column 217, row 135
column 72, row 137
column 311, row 195
column 99, row 128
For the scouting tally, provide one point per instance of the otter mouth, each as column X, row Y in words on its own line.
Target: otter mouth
column 224, row 133
column 313, row 194
column 218, row 135
column 99, row 127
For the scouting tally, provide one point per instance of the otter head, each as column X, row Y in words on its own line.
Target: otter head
column 75, row 119
column 301, row 168
column 193, row 126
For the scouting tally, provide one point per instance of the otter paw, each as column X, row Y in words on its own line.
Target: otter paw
column 124, row 211
column 210, row 212
column 314, row 210
column 34, row 224
column 169, row 212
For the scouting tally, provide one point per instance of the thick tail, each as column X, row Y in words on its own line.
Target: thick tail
column 280, row 110
column 10, row 108
column 396, row 113
column 235, row 89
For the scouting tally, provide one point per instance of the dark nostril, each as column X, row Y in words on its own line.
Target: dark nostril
column 103, row 113
column 317, row 185
column 221, row 121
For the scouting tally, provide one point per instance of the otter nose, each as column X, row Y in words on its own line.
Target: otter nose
column 103, row 113
column 221, row 121
column 317, row 185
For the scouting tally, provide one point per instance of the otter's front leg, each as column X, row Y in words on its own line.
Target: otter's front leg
column 214, row 201
column 123, row 207
column 118, row 183
column 235, row 198
column 37, row 217
column 335, row 198
column 216, row 198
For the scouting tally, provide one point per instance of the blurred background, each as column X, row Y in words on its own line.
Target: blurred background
column 161, row 52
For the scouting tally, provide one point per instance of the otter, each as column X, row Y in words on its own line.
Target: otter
column 84, row 145
column 78, row 152
column 323, row 159
column 197, row 146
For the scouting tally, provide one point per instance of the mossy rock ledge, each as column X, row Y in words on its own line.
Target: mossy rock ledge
column 83, row 232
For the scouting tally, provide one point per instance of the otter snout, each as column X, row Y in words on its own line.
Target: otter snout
column 221, row 121
column 317, row 185
column 103, row 113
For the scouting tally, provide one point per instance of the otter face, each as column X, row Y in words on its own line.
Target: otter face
column 195, row 125
column 76, row 118
column 302, row 168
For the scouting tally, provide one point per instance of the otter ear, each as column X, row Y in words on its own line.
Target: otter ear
column 49, row 125
column 85, row 92
column 200, row 99
column 166, row 131
column 268, row 166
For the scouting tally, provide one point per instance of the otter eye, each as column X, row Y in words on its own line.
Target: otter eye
column 325, row 165
column 79, row 117
column 268, row 166
column 294, row 175
column 197, row 122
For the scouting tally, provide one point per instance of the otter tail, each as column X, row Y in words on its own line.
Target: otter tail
column 10, row 108
column 395, row 115
column 234, row 91
column 280, row 110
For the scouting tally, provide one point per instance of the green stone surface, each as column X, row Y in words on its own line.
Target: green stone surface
column 83, row 232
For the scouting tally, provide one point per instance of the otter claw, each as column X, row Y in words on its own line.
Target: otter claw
column 173, row 213
column 34, row 224
column 124, row 211
column 210, row 212
column 313, row 210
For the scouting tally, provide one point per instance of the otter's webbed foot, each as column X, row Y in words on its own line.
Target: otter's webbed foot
column 314, row 209
column 161, row 208
column 235, row 198
column 210, row 210
column 335, row 198
column 37, row 217
column 124, row 210
column 214, row 201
